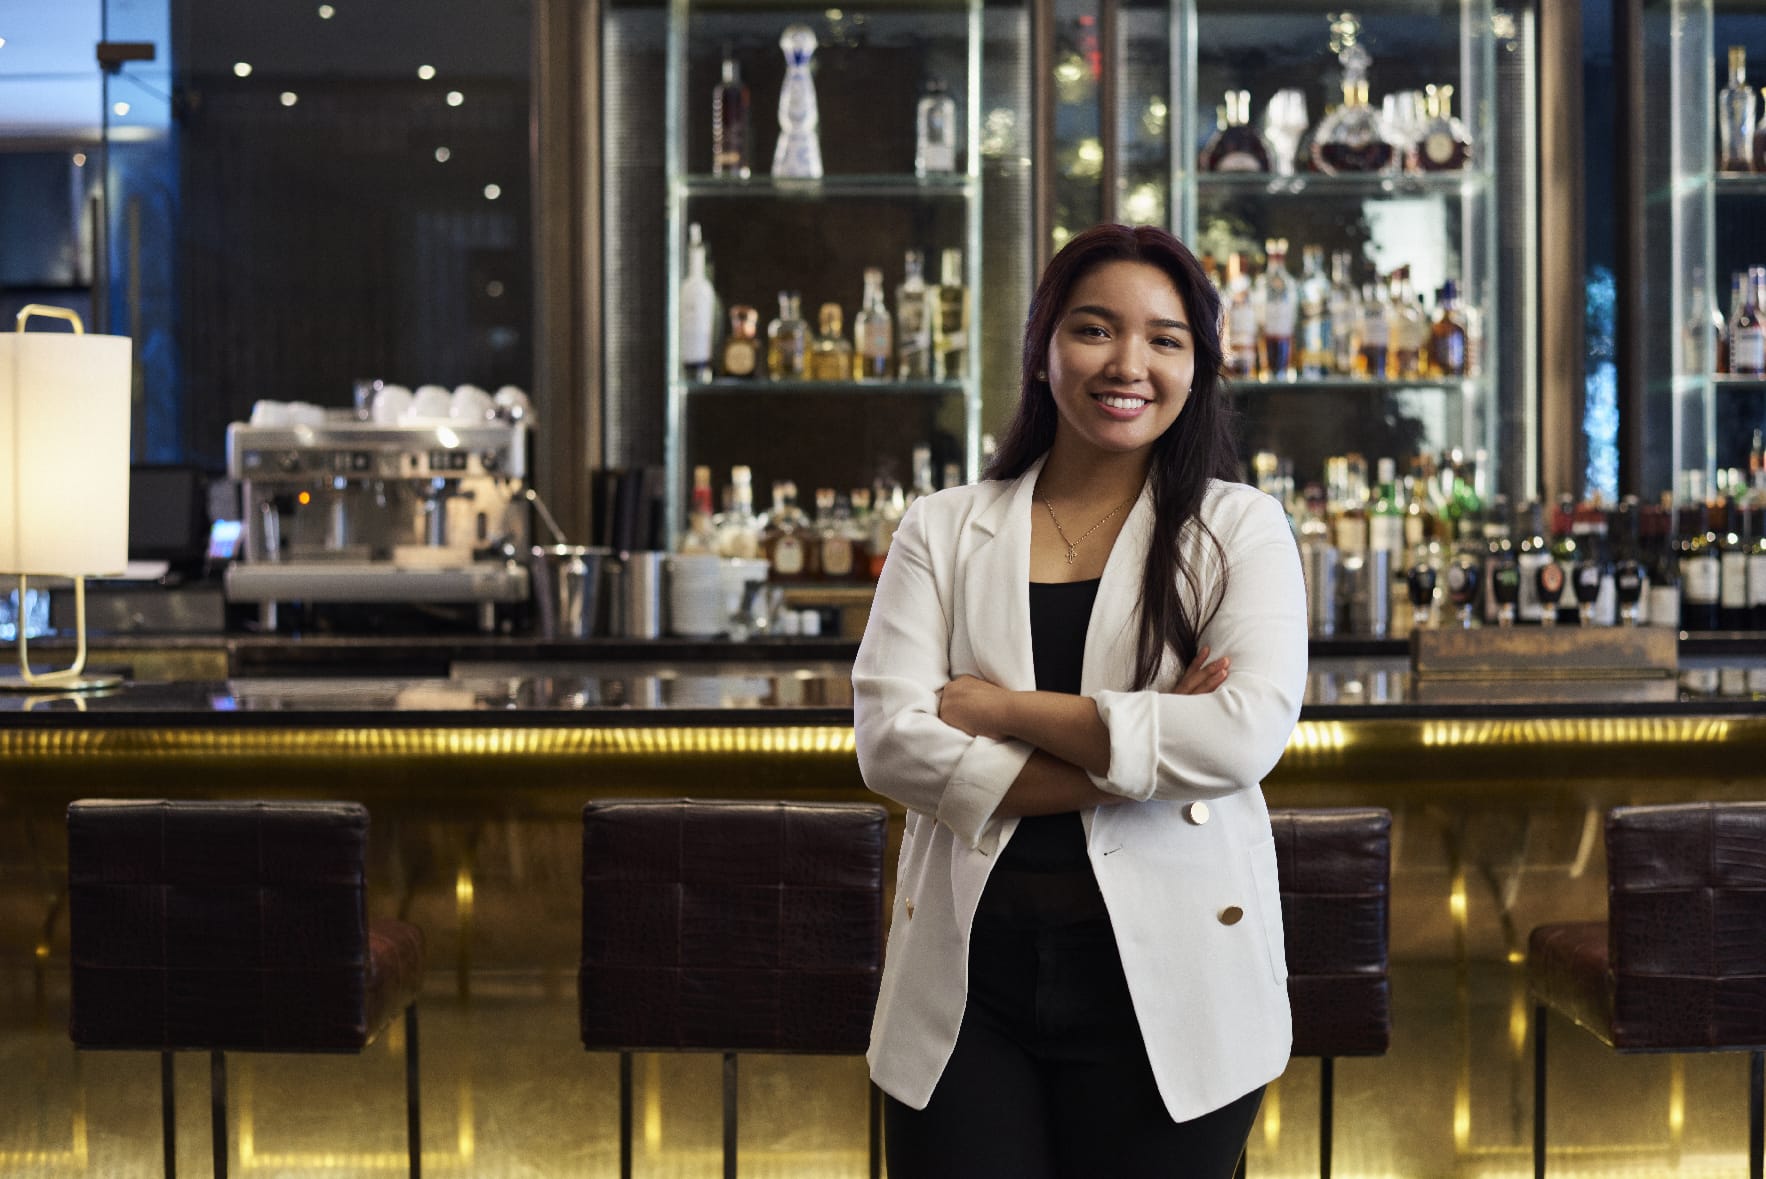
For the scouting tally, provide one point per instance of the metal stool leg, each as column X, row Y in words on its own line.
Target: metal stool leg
column 729, row 1115
column 1327, row 1092
column 625, row 1115
column 413, row 1106
column 1539, row 1091
column 1756, row 1122
column 217, row 1083
column 168, row 1119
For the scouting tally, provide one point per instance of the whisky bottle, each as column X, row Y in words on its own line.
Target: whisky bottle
column 1735, row 116
column 1279, row 301
column 935, row 131
column 701, row 534
column 833, row 536
column 830, row 352
column 783, row 543
column 873, row 334
column 888, row 505
column 787, row 341
column 1407, row 327
column 741, row 359
column 1315, row 317
column 698, row 311
column 1447, row 335
column 1747, row 329
column 1240, row 346
column 1443, row 145
column 914, row 349
column 950, row 320
column 1236, row 146
column 729, row 123
column 1353, row 138
column 1376, row 333
column 736, row 528
column 1345, row 315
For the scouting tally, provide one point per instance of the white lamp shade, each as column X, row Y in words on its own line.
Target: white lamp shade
column 64, row 453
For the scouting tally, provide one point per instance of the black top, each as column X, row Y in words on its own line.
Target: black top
column 1059, row 613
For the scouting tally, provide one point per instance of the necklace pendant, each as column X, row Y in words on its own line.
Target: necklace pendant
column 1071, row 553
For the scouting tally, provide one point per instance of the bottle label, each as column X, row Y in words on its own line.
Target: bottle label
column 1278, row 318
column 837, row 556
column 1386, row 532
column 1734, row 579
column 788, row 556
column 1700, row 580
column 1664, row 606
column 1757, row 579
column 1747, row 349
column 740, row 357
column 1239, row 161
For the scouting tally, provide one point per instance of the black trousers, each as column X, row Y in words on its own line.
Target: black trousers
column 1049, row 1077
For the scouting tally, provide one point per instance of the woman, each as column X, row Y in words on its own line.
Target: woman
column 1085, row 972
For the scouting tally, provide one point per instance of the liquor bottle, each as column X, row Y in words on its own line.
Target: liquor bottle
column 1447, row 335
column 1407, row 327
column 888, row 505
column 935, row 131
column 1503, row 569
column 787, row 341
column 830, row 352
column 1755, row 540
column 1315, row 315
column 741, row 348
column 1732, row 571
column 1353, row 138
column 1662, row 602
column 1630, row 574
column 1236, row 146
column 736, row 528
column 950, row 320
column 701, row 533
column 1701, row 574
column 1376, row 334
column 1279, row 301
column 1319, row 562
column 1531, row 555
column 833, row 536
column 1757, row 464
column 1697, row 341
column 1747, row 328
column 873, row 333
column 782, row 541
column 698, row 311
column 799, row 152
column 1386, row 514
column 1591, row 577
column 1738, row 299
column 1345, row 316
column 1443, row 145
column 1565, row 552
column 1735, row 116
column 1241, row 320
column 859, row 531
column 914, row 349
column 923, row 484
column 729, row 123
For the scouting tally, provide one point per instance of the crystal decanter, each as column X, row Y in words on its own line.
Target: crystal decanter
column 799, row 154
column 1354, row 138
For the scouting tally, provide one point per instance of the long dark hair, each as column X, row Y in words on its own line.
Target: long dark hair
column 1199, row 446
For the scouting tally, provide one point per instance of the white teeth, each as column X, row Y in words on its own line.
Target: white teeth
column 1122, row 402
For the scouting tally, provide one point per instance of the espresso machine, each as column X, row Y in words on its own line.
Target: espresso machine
column 342, row 510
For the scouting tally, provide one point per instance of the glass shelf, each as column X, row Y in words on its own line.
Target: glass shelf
column 1740, row 184
column 1359, row 385
column 1468, row 182
column 725, row 387
column 890, row 185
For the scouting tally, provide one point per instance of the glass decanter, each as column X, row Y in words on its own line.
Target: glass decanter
column 1354, row 137
column 799, row 154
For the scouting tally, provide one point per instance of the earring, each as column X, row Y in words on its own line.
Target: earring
column 1043, row 375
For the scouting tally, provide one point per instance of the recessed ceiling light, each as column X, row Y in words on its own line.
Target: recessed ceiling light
column 242, row 69
column 492, row 191
column 455, row 98
column 426, row 72
column 443, row 155
column 289, row 98
column 326, row 12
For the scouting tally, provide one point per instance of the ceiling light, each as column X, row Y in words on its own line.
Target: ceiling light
column 119, row 109
column 455, row 98
column 426, row 72
column 492, row 191
column 326, row 12
column 242, row 69
column 442, row 155
column 289, row 98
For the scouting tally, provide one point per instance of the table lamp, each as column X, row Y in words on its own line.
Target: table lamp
column 64, row 472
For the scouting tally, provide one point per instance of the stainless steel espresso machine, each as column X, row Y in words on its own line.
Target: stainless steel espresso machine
column 348, row 511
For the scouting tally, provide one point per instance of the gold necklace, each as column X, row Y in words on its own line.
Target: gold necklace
column 1073, row 545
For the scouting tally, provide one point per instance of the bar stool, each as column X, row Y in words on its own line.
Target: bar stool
column 1679, row 965
column 1334, row 866
column 730, row 927
column 232, row 926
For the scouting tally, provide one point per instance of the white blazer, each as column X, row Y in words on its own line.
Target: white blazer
column 1187, row 870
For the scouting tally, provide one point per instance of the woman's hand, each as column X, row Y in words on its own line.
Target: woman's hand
column 1201, row 676
column 973, row 705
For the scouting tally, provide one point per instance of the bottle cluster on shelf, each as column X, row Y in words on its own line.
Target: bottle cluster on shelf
column 1318, row 326
column 1411, row 131
column 925, row 339
column 845, row 540
column 798, row 155
column 1736, row 340
column 1387, row 556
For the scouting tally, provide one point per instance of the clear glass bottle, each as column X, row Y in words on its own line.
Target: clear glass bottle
column 830, row 352
column 1447, row 335
column 1444, row 144
column 799, row 152
column 914, row 326
column 701, row 533
column 1345, row 315
column 1278, row 298
column 1315, row 317
column 935, row 131
column 1236, row 146
column 698, row 311
column 737, row 528
column 741, row 346
column 923, row 484
column 950, row 322
column 730, row 123
column 1407, row 327
column 1376, row 333
column 1240, row 345
column 1735, row 116
column 873, row 334
column 787, row 340
column 1696, row 339
column 1354, row 138
column 1747, row 327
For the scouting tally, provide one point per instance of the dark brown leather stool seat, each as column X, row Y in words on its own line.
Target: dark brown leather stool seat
column 1680, row 963
column 726, row 927
column 233, row 927
column 1334, row 868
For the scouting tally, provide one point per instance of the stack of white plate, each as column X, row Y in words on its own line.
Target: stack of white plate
column 696, row 595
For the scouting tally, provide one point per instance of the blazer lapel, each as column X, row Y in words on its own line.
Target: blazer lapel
column 1111, row 635
column 996, row 588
